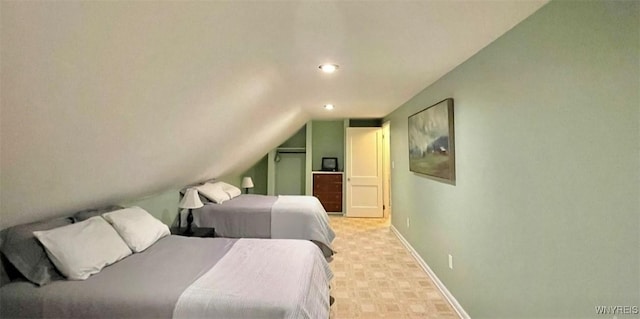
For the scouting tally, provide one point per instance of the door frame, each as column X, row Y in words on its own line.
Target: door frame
column 386, row 169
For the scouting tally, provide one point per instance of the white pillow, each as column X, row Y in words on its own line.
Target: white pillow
column 137, row 227
column 214, row 192
column 231, row 190
column 82, row 249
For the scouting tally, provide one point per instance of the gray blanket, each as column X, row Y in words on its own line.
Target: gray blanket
column 181, row 277
column 260, row 216
column 144, row 285
column 245, row 216
column 302, row 217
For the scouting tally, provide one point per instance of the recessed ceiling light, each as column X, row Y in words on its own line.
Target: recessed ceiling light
column 328, row 67
column 328, row 107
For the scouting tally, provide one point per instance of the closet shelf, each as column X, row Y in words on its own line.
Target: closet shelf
column 291, row 149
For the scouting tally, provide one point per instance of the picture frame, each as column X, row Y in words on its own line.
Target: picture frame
column 432, row 142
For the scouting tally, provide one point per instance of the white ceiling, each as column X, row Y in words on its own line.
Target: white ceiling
column 106, row 101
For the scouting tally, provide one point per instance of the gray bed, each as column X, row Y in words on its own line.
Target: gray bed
column 181, row 277
column 278, row 217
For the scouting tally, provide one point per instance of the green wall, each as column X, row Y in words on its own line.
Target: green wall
column 299, row 139
column 258, row 174
column 327, row 141
column 544, row 219
column 163, row 206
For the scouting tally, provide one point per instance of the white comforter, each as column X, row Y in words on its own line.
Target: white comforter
column 301, row 217
column 290, row 281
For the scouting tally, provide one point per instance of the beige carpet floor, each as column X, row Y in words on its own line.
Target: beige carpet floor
column 376, row 277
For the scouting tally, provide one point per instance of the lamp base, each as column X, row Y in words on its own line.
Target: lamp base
column 189, row 231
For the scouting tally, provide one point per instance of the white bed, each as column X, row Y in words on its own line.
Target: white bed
column 125, row 264
column 277, row 217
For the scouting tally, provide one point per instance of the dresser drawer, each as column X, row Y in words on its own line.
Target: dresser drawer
column 332, row 207
column 327, row 187
column 329, row 197
column 327, row 178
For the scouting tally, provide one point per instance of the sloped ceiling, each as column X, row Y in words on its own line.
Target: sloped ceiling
column 110, row 101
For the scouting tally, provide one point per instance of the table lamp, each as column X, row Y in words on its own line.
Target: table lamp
column 190, row 200
column 247, row 183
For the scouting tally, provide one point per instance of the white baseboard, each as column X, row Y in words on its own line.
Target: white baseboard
column 443, row 289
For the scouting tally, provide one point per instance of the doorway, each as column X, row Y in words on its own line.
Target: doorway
column 290, row 173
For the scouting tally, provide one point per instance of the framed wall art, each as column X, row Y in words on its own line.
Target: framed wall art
column 431, row 142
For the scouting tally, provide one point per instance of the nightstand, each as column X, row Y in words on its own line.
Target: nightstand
column 197, row 232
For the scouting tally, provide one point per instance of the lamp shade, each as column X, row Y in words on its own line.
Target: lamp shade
column 191, row 199
column 247, row 182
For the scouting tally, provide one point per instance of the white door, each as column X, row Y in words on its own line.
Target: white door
column 364, row 172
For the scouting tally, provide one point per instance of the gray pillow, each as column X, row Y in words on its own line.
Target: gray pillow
column 4, row 276
column 27, row 255
column 86, row 214
column 8, row 273
column 204, row 200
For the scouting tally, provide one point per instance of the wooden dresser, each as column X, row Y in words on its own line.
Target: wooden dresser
column 327, row 187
